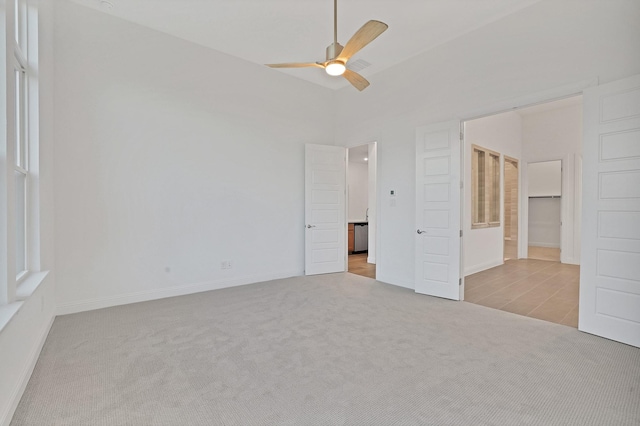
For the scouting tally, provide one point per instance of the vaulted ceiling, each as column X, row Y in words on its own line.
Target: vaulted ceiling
column 272, row 31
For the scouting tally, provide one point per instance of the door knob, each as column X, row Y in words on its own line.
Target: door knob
column 311, row 226
column 421, row 232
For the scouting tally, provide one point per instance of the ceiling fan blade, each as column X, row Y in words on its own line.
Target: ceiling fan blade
column 296, row 65
column 358, row 81
column 365, row 35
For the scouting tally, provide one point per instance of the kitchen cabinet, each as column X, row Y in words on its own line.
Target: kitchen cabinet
column 352, row 238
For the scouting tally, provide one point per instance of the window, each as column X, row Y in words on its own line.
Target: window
column 20, row 24
column 485, row 188
column 19, row 152
column 20, row 172
column 20, row 138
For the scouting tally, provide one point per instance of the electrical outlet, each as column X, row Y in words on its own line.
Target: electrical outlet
column 226, row 264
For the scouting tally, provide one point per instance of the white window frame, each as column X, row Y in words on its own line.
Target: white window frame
column 20, row 139
column 485, row 183
column 21, row 165
column 19, row 152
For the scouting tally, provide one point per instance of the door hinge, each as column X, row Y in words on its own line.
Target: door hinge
column 459, row 281
column 461, row 136
column 461, row 232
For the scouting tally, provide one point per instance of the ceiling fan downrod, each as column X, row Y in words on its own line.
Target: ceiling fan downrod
column 338, row 55
column 334, row 48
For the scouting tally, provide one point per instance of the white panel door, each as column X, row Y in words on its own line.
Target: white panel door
column 437, row 264
column 610, row 266
column 325, row 209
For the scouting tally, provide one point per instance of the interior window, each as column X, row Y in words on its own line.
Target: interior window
column 485, row 191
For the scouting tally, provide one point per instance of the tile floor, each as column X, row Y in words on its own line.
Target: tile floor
column 510, row 249
column 535, row 288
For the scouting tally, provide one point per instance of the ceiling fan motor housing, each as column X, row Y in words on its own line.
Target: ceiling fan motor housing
column 334, row 50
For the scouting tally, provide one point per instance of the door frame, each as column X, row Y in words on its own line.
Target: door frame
column 524, row 242
column 511, row 160
column 555, row 94
column 375, row 205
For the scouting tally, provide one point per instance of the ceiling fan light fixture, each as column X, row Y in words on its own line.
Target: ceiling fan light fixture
column 335, row 68
column 338, row 55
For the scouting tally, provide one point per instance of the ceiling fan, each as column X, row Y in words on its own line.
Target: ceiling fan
column 337, row 55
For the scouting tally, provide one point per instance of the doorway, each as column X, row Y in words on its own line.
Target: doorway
column 511, row 200
column 361, row 210
column 501, row 236
column 545, row 210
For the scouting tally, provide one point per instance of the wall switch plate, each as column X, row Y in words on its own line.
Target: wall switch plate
column 226, row 264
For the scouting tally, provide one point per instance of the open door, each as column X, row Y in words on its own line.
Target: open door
column 610, row 264
column 325, row 207
column 437, row 264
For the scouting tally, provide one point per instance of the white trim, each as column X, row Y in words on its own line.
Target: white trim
column 545, row 245
column 553, row 94
column 542, row 97
column 26, row 289
column 481, row 267
column 30, row 284
column 14, row 400
column 148, row 295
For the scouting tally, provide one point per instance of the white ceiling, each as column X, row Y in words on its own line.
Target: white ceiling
column 272, row 31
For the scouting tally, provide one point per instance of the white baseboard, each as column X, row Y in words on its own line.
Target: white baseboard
column 545, row 245
column 569, row 261
column 26, row 374
column 481, row 267
column 371, row 260
column 145, row 296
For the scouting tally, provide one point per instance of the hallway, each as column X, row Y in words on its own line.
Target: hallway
column 358, row 265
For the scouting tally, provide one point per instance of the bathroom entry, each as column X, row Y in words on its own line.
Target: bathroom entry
column 361, row 212
column 511, row 201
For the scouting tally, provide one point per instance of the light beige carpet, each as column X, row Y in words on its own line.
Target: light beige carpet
column 326, row 350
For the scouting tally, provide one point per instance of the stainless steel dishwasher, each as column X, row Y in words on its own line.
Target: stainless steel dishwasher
column 361, row 237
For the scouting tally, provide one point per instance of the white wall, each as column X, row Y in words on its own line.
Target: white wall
column 171, row 158
column 23, row 336
column 544, row 222
column 556, row 135
column 545, row 177
column 535, row 54
column 502, row 133
column 358, row 191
